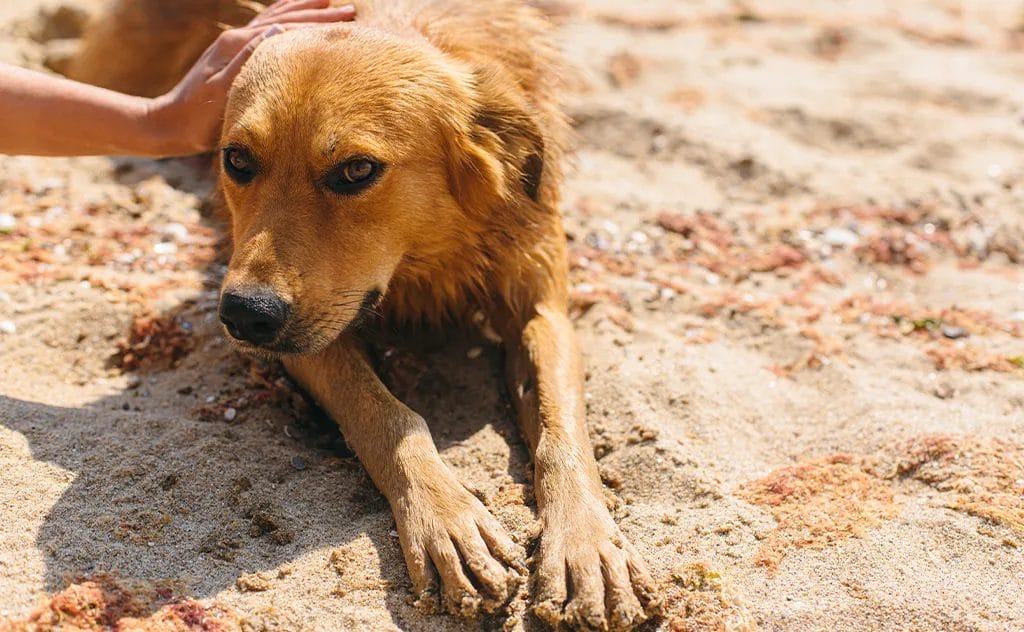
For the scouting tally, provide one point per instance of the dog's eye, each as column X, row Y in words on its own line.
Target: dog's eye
column 358, row 170
column 353, row 176
column 239, row 164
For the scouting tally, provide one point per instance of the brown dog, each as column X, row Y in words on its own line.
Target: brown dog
column 410, row 163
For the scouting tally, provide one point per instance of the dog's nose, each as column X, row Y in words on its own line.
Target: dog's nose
column 253, row 316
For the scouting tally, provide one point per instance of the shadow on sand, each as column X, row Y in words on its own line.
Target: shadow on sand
column 158, row 493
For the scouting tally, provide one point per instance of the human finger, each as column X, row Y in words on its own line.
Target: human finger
column 231, row 70
column 287, row 5
column 303, row 13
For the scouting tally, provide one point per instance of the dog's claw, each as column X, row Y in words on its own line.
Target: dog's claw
column 459, row 546
column 466, row 604
column 428, row 601
column 611, row 588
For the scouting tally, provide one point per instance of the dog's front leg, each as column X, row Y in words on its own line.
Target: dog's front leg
column 588, row 575
column 441, row 526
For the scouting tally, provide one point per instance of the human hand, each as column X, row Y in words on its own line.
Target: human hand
column 187, row 119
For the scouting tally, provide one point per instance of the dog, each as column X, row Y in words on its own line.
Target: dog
column 407, row 166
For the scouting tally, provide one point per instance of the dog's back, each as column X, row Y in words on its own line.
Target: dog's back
column 144, row 47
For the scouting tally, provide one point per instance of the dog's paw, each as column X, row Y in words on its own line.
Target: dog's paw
column 459, row 557
column 583, row 550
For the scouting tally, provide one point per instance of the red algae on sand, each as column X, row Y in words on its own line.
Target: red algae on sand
column 895, row 247
column 718, row 246
column 819, row 502
column 696, row 600
column 984, row 478
column 154, row 342
column 267, row 385
column 825, row 500
column 890, row 319
column 948, row 355
column 104, row 602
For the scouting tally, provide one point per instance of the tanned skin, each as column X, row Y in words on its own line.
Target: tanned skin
column 409, row 163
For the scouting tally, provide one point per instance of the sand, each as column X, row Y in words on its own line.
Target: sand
column 797, row 237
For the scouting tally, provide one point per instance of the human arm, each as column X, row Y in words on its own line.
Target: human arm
column 50, row 116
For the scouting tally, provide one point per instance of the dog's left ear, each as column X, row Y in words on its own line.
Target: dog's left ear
column 497, row 153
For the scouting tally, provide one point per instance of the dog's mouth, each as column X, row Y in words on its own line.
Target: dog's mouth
column 313, row 333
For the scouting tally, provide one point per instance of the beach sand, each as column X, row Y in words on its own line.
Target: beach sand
column 796, row 234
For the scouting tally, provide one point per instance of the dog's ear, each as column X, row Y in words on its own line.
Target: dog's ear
column 497, row 153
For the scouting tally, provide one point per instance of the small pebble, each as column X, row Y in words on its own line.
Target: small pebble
column 298, row 463
column 8, row 327
column 46, row 184
column 943, row 390
column 840, row 238
column 165, row 248
column 954, row 333
column 174, row 232
column 659, row 143
column 230, row 414
column 7, row 223
column 474, row 353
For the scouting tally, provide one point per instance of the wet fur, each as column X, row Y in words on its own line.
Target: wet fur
column 143, row 47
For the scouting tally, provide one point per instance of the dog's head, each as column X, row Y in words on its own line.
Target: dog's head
column 347, row 152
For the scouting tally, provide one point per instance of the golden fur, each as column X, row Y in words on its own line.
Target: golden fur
column 458, row 99
column 143, row 47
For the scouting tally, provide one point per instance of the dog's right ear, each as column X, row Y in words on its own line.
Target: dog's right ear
column 496, row 153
